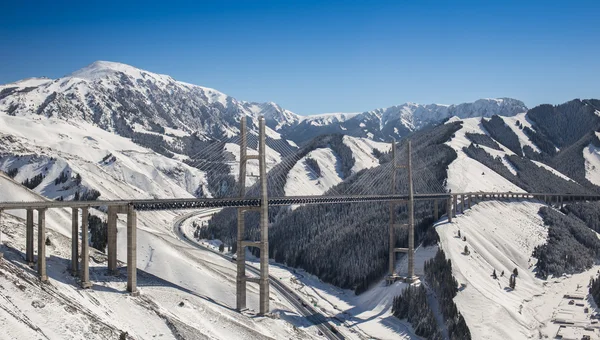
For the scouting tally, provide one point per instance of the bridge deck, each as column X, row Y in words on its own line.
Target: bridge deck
column 190, row 203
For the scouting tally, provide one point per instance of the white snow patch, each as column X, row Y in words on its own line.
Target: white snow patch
column 591, row 154
column 362, row 151
column 302, row 181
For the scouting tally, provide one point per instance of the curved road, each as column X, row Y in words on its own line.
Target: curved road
column 325, row 327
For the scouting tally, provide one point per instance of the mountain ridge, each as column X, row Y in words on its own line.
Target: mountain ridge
column 115, row 96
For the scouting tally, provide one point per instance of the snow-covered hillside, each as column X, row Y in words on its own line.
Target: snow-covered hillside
column 185, row 292
column 468, row 175
column 303, row 180
column 501, row 236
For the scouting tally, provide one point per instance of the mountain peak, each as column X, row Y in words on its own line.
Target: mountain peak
column 102, row 69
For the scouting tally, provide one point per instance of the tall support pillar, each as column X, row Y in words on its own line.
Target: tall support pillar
column 85, row 250
column 455, row 206
column 470, row 198
column 132, row 251
column 241, row 250
column 561, row 202
column 241, row 264
column 41, row 264
column 112, row 240
column 29, row 238
column 462, row 203
column 1, row 230
column 435, row 210
column 449, row 209
column 264, row 222
column 411, row 219
column 392, row 240
column 74, row 242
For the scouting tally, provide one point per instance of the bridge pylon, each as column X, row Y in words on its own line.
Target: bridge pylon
column 263, row 209
column 392, row 275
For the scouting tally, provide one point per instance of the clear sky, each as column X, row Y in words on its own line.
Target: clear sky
column 321, row 56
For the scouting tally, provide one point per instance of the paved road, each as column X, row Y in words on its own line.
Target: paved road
column 326, row 328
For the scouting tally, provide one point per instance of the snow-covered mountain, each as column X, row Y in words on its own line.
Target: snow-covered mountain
column 398, row 121
column 119, row 98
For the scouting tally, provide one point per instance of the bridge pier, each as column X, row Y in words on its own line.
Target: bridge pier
column 455, row 206
column 561, row 202
column 435, row 210
column 132, row 251
column 29, row 238
column 470, row 198
column 74, row 242
column 112, row 240
column 449, row 209
column 42, row 245
column 85, row 250
column 263, row 209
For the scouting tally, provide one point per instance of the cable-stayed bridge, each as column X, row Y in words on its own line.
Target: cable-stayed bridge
column 405, row 176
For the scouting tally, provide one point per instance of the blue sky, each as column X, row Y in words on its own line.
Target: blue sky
column 316, row 56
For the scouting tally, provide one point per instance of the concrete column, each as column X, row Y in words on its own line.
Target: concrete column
column 264, row 222
column 74, row 242
column 470, row 198
column 449, row 209
column 42, row 245
column 132, row 251
column 561, row 202
column 112, row 240
column 411, row 219
column 29, row 238
column 241, row 264
column 392, row 237
column 240, row 290
column 392, row 254
column 455, row 206
column 435, row 210
column 462, row 203
column 85, row 250
column 1, row 230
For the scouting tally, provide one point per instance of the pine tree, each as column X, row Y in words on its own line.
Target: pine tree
column 466, row 250
column 494, row 275
column 516, row 272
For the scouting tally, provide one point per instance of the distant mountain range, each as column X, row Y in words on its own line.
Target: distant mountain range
column 122, row 99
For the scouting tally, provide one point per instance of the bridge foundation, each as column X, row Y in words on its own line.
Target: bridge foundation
column 74, row 242
column 29, row 238
column 41, row 263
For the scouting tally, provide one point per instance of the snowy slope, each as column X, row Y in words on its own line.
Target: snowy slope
column 468, row 175
column 524, row 121
column 302, row 180
column 170, row 274
column 80, row 147
column 502, row 236
column 591, row 154
column 362, row 150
